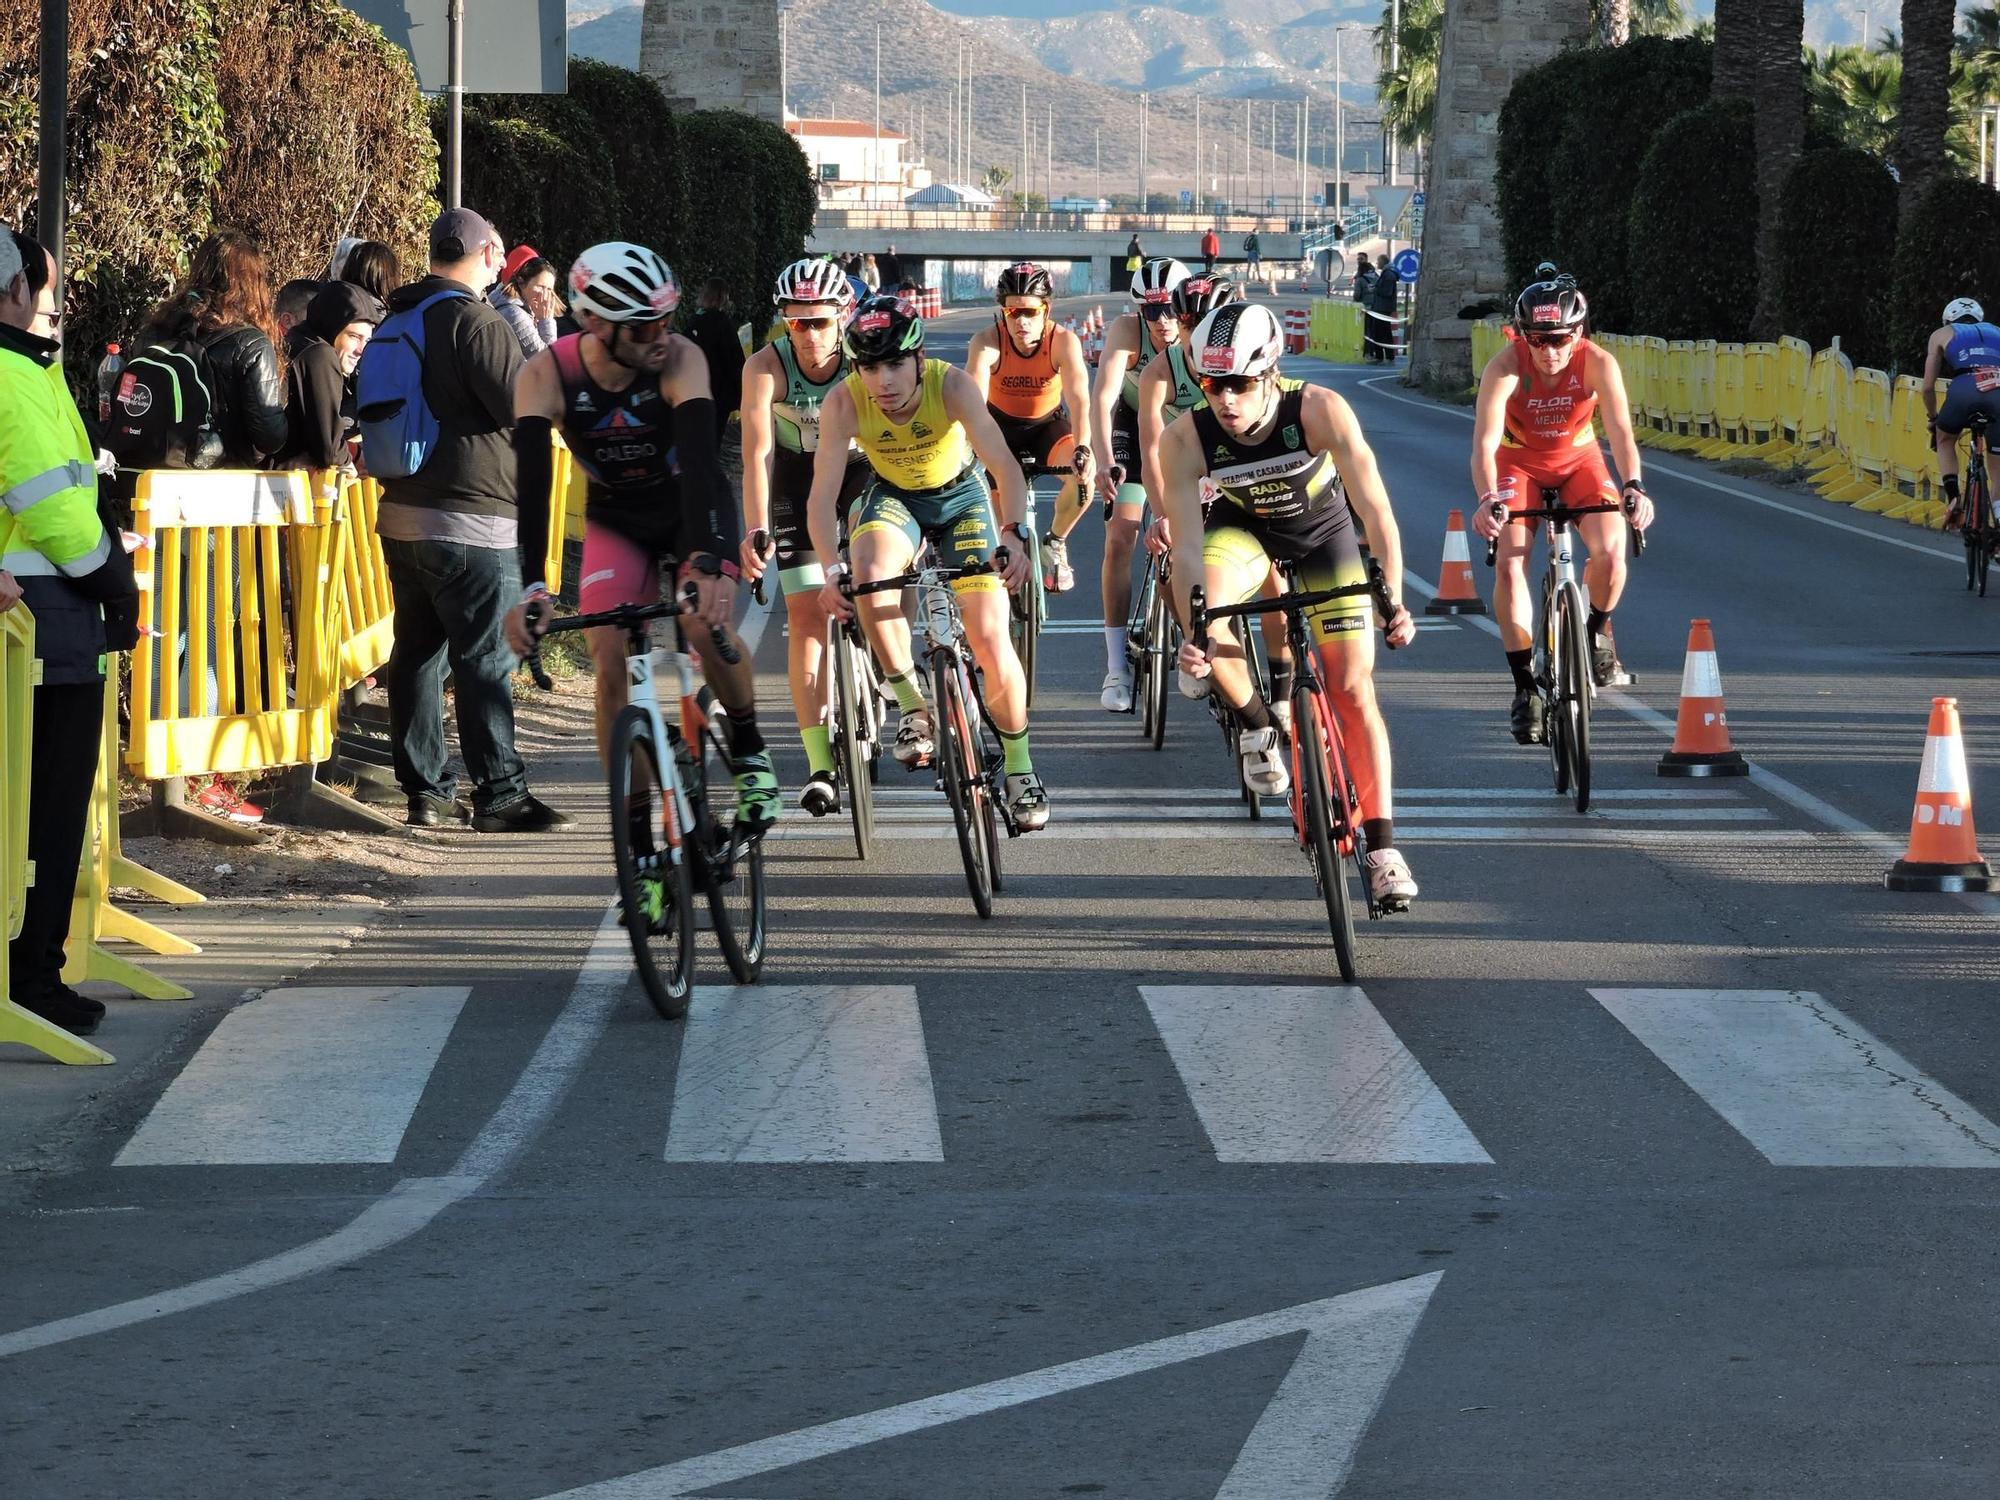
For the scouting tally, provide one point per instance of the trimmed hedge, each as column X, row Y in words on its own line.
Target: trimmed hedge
column 1531, row 127
column 1837, row 219
column 1700, row 170
column 1948, row 247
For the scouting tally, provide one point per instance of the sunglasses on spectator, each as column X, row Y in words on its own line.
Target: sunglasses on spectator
column 812, row 325
column 1155, row 312
column 1550, row 340
column 1235, row 385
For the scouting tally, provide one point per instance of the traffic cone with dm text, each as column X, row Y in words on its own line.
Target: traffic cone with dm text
column 1455, row 595
column 1944, row 850
column 1701, row 734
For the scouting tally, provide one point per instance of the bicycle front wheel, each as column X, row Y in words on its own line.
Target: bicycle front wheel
column 1028, row 609
column 1163, row 644
column 958, row 761
column 851, row 747
column 655, row 890
column 733, row 872
column 1323, row 827
column 1575, row 702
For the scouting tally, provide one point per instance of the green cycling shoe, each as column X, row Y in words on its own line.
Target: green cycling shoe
column 757, row 796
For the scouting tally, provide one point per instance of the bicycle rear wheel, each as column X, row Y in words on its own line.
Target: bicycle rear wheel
column 1323, row 824
column 1028, row 608
column 1163, row 644
column 655, row 890
column 732, row 875
column 958, row 756
column 1575, row 697
column 851, row 746
column 1260, row 684
column 1138, row 650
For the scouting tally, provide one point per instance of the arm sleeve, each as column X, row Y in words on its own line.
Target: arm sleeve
column 710, row 521
column 263, row 396
column 534, row 472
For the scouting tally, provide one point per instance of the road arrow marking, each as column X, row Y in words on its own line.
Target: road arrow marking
column 1302, row 1446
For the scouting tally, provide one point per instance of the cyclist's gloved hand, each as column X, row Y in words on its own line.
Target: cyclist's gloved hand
column 527, row 620
column 1490, row 517
column 1638, row 505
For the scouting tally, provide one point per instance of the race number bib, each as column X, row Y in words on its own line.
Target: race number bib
column 1986, row 378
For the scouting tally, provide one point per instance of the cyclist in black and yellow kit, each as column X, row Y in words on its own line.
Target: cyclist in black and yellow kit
column 926, row 432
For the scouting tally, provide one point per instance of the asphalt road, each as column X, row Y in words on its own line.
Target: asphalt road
column 1653, row 1154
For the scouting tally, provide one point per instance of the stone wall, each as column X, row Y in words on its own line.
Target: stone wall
column 1487, row 45
column 713, row 54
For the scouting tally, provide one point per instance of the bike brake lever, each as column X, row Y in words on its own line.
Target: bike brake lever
column 540, row 674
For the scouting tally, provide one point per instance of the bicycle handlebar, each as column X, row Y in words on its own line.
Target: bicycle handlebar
column 763, row 546
column 1377, row 586
column 849, row 588
column 626, row 617
column 1563, row 515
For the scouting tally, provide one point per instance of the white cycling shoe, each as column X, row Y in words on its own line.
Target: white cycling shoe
column 914, row 743
column 1390, row 884
column 1191, row 686
column 1117, row 694
column 1264, row 769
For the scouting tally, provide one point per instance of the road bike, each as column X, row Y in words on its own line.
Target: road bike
column 1030, row 602
column 968, row 758
column 669, row 837
column 1562, row 640
column 1152, row 642
column 1325, row 806
column 1976, row 522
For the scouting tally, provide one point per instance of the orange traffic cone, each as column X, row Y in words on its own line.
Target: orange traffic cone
column 1701, row 734
column 1455, row 595
column 1944, row 851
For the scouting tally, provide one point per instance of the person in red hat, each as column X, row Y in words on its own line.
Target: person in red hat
column 525, row 296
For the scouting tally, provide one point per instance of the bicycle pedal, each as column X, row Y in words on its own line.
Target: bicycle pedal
column 1390, row 906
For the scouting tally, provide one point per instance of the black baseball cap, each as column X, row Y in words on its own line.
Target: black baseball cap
column 457, row 233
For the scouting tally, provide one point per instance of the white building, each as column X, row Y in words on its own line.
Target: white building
column 853, row 165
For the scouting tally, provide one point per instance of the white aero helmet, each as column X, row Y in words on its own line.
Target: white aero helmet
column 623, row 283
column 814, row 279
column 1156, row 279
column 1964, row 310
column 1238, row 338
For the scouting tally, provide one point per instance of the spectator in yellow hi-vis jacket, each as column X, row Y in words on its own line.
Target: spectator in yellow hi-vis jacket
column 58, row 559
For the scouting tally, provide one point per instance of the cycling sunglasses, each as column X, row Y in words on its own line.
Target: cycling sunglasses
column 812, row 325
column 1235, row 385
column 647, row 331
column 1027, row 313
column 1155, row 312
column 1549, row 340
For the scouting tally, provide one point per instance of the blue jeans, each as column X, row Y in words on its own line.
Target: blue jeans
column 450, row 601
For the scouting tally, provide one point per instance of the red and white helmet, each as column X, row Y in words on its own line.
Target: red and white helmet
column 1238, row 338
column 623, row 283
column 814, row 279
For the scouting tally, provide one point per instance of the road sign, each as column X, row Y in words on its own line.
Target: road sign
column 1390, row 199
column 1187, row 198
column 1406, row 262
column 1417, row 201
column 511, row 46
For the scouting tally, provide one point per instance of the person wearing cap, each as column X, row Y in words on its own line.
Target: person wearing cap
column 448, row 535
column 56, row 559
column 322, row 354
column 526, row 297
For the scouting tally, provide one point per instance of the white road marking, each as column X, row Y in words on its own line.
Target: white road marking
column 304, row 1075
column 1294, row 1073
column 415, row 1201
column 804, row 1073
column 1664, row 792
column 1302, row 1447
column 1801, row 1082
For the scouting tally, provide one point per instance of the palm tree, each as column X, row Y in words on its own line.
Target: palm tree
column 1979, row 50
column 1926, row 114
column 1617, row 21
column 1408, row 93
column 1614, row 21
column 1852, row 95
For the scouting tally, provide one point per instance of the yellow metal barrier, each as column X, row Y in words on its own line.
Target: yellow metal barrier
column 1906, row 496
column 1762, row 390
column 1864, row 437
column 210, row 685
column 19, row 672
column 1728, row 406
column 364, row 606
column 1659, row 381
column 1338, row 336
column 1795, row 360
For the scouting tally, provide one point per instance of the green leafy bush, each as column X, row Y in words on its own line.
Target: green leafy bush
column 1838, row 225
column 1948, row 247
column 1531, row 126
column 1699, row 173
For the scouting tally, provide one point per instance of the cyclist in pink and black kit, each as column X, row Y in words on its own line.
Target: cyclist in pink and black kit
column 635, row 408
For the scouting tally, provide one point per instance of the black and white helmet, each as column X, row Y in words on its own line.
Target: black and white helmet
column 623, row 283
column 884, row 328
column 1550, row 307
column 1156, row 279
column 1238, row 338
column 814, row 279
column 1198, row 296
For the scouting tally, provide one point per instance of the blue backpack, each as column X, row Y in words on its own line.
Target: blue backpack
column 398, row 427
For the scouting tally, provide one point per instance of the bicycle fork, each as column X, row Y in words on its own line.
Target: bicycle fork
column 640, row 669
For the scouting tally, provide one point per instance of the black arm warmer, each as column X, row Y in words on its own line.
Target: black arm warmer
column 710, row 521
column 534, row 472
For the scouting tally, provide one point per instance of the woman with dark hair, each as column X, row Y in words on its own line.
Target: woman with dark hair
column 525, row 297
column 225, row 308
column 371, row 265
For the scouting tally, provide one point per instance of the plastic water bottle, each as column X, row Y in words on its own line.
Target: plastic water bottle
column 108, row 370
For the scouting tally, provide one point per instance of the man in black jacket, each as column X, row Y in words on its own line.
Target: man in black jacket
column 321, row 354
column 448, row 536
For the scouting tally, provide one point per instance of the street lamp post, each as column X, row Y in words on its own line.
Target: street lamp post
column 49, row 211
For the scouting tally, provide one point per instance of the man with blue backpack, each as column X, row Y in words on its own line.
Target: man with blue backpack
column 435, row 399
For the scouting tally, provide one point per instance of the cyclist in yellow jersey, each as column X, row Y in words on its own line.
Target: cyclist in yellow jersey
column 921, row 423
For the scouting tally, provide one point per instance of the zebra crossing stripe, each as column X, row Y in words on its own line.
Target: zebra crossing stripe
column 1304, row 1074
column 804, row 1073
column 1803, row 1083
column 303, row 1076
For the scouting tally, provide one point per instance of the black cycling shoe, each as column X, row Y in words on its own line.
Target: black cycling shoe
column 820, row 795
column 1605, row 667
column 1526, row 717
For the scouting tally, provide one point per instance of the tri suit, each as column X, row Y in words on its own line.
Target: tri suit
column 1025, row 397
column 1185, row 396
column 1546, row 440
column 795, row 431
column 924, row 481
column 1972, row 364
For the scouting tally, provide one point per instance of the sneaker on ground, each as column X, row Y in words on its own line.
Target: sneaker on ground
column 1390, row 884
column 427, row 811
column 1605, row 667
column 758, row 800
column 820, row 795
column 1057, row 576
column 1525, row 718
column 1117, row 694
column 913, row 738
column 527, row 813
column 219, row 799
column 1264, row 770
column 1028, row 801
column 1191, row 686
